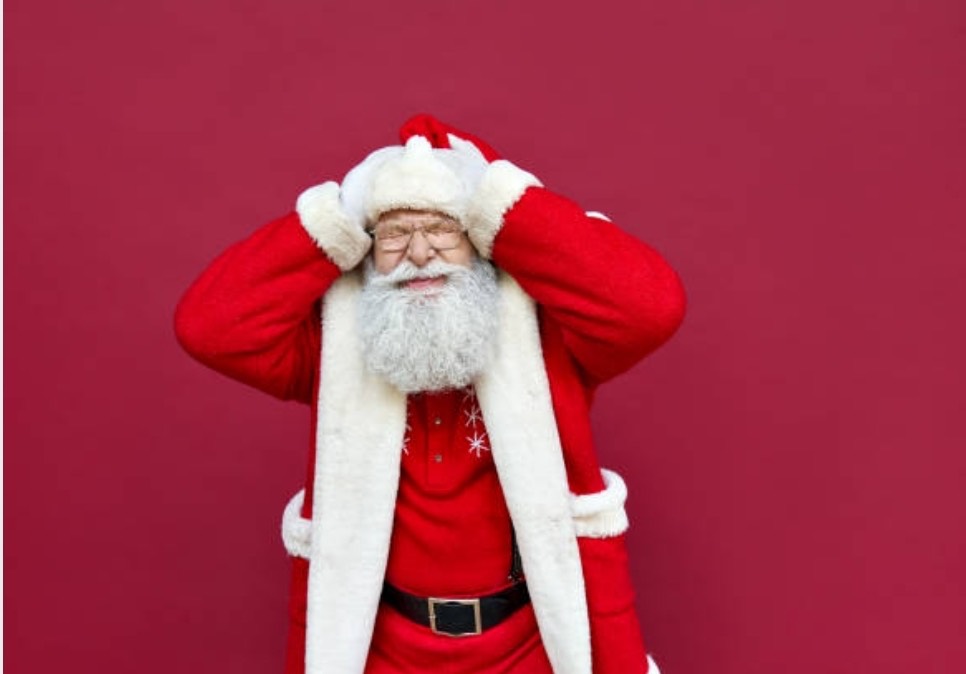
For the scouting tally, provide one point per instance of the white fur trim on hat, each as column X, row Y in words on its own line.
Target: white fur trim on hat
column 296, row 530
column 601, row 515
column 355, row 183
column 322, row 216
column 501, row 187
column 419, row 179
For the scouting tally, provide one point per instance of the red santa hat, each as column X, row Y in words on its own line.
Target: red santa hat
column 440, row 135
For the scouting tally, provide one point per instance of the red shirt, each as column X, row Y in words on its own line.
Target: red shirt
column 452, row 532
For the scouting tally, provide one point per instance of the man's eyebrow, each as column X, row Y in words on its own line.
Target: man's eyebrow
column 389, row 221
column 430, row 220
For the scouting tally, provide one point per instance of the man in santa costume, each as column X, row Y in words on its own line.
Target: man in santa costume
column 448, row 320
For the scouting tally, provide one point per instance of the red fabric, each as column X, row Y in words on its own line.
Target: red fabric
column 615, row 636
column 606, row 300
column 298, row 596
column 614, row 298
column 448, row 487
column 253, row 313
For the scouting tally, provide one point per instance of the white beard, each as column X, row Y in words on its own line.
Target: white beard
column 433, row 341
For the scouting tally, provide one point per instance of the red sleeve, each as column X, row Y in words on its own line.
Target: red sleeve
column 615, row 298
column 610, row 300
column 254, row 313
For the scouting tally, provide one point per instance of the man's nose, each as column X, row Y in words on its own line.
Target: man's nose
column 419, row 251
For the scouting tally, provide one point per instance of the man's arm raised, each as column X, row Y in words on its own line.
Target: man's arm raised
column 253, row 314
column 615, row 298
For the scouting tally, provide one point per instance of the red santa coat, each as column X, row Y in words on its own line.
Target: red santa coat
column 603, row 300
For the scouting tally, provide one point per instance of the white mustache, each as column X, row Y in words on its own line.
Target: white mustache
column 407, row 271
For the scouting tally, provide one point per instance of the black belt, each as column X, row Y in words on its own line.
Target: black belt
column 458, row 617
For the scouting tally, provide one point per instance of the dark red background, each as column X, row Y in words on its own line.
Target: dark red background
column 795, row 455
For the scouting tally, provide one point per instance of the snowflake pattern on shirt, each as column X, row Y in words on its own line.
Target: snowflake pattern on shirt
column 477, row 440
column 405, row 445
column 478, row 444
column 473, row 421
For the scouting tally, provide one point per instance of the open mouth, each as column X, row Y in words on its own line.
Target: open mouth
column 424, row 284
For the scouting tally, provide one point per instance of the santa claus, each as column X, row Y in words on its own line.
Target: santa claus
column 448, row 320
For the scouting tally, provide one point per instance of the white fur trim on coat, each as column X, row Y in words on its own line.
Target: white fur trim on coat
column 359, row 438
column 296, row 530
column 361, row 424
column 322, row 216
column 601, row 515
column 501, row 187
column 514, row 396
column 598, row 215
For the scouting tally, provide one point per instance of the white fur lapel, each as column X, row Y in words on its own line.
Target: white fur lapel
column 359, row 439
column 514, row 397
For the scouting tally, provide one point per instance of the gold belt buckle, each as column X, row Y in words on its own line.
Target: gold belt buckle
column 477, row 622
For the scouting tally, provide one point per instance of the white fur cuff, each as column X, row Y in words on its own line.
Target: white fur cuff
column 501, row 187
column 296, row 530
column 321, row 213
column 601, row 515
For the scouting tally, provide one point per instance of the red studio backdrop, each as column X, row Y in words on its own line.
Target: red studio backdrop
column 795, row 455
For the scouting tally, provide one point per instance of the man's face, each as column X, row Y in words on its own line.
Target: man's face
column 428, row 307
column 433, row 237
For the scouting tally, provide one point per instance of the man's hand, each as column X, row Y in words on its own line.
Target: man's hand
column 355, row 185
column 471, row 162
column 333, row 229
column 496, row 189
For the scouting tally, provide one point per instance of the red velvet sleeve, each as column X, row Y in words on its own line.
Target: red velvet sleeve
column 253, row 314
column 615, row 298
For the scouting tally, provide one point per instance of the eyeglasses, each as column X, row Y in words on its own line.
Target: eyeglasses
column 394, row 237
